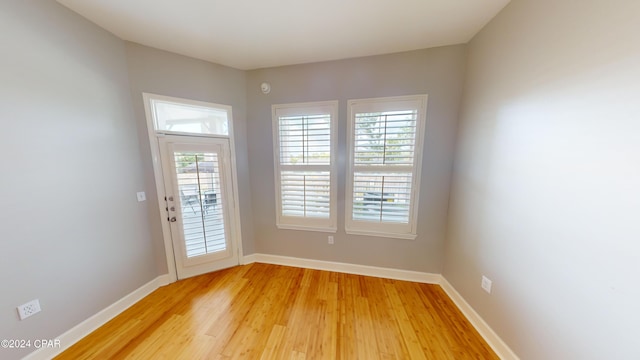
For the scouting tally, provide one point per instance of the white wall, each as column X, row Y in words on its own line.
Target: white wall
column 437, row 72
column 546, row 197
column 73, row 234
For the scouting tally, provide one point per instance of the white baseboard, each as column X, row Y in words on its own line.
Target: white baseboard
column 248, row 259
column 86, row 327
column 386, row 273
column 164, row 280
column 499, row 347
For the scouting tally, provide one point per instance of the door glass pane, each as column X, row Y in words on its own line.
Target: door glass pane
column 198, row 179
column 193, row 119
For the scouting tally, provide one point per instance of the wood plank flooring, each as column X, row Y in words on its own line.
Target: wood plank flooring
column 262, row 311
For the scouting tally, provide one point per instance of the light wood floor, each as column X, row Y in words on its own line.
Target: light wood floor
column 262, row 311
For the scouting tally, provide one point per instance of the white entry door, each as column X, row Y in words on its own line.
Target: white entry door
column 197, row 178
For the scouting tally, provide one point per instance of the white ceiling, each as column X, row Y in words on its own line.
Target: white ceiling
column 251, row 34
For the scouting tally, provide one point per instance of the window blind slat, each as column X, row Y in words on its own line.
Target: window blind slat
column 383, row 197
column 305, row 139
column 305, row 193
column 385, row 146
column 383, row 140
column 303, row 159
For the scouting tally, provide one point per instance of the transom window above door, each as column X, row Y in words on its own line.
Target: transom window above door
column 189, row 117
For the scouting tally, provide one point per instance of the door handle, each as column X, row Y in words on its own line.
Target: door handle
column 173, row 219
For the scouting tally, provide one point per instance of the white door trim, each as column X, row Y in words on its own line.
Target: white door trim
column 159, row 179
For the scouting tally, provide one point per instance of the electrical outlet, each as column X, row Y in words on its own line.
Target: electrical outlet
column 29, row 309
column 486, row 284
column 330, row 239
column 141, row 196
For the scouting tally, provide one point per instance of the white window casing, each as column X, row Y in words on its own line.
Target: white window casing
column 305, row 140
column 385, row 140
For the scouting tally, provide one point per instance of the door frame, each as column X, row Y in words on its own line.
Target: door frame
column 159, row 177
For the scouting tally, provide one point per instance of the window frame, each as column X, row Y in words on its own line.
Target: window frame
column 303, row 222
column 151, row 99
column 378, row 228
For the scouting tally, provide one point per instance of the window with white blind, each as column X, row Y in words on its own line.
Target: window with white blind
column 385, row 152
column 304, row 156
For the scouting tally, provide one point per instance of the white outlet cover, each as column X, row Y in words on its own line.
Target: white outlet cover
column 141, row 196
column 29, row 309
column 330, row 239
column 486, row 284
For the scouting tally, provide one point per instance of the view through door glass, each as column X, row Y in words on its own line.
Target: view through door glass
column 201, row 202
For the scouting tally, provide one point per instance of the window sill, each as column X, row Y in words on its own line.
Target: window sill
column 381, row 234
column 306, row 228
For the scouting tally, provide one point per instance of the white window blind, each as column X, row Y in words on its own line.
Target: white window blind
column 304, row 162
column 385, row 145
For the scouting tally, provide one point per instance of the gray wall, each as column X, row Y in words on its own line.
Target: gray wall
column 164, row 73
column 437, row 72
column 544, row 199
column 73, row 234
column 545, row 193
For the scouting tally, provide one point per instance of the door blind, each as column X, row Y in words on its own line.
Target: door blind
column 201, row 201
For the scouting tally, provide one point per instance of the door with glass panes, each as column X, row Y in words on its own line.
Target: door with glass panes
column 199, row 198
